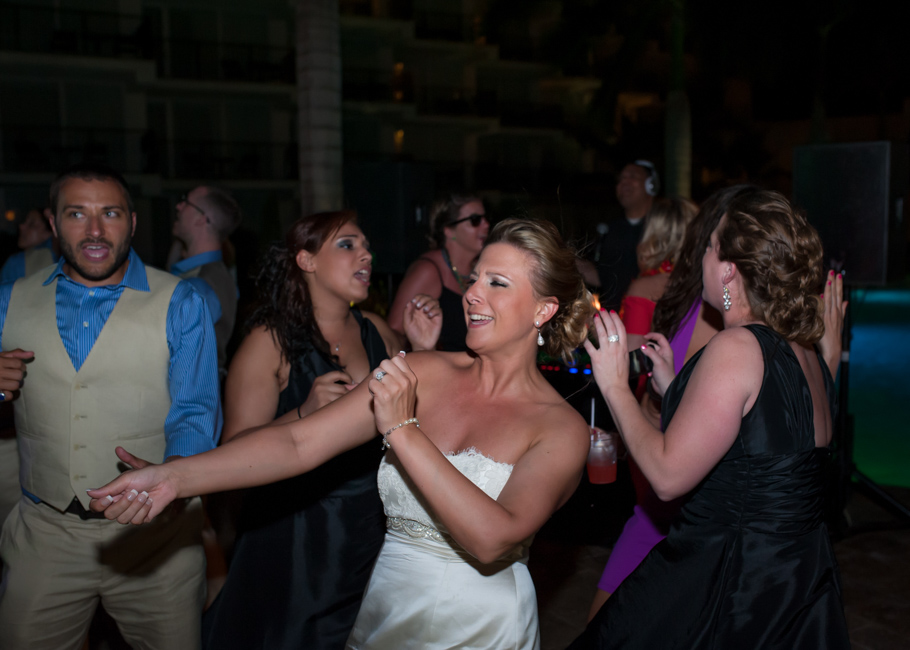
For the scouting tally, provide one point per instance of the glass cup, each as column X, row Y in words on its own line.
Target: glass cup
column 602, row 457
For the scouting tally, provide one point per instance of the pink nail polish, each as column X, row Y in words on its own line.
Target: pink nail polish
column 644, row 347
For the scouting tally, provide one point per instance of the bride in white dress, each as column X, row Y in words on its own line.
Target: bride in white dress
column 482, row 450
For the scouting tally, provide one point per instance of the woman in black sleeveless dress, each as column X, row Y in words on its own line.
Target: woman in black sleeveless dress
column 458, row 228
column 749, row 563
column 307, row 544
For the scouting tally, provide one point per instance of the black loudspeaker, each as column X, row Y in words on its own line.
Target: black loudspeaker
column 854, row 194
column 392, row 200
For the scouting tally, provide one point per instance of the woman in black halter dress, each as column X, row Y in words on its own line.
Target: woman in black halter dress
column 458, row 227
column 307, row 544
column 747, row 423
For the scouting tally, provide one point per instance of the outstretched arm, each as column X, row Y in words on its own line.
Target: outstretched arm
column 264, row 456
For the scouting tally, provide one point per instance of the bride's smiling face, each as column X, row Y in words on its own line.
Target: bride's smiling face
column 501, row 305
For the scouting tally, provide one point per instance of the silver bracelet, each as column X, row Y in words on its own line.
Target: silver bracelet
column 385, row 436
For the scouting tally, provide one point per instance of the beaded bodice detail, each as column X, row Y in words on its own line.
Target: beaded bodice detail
column 406, row 510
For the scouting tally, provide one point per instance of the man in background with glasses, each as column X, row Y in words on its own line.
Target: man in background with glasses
column 206, row 217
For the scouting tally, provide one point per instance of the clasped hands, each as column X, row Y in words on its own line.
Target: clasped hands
column 394, row 389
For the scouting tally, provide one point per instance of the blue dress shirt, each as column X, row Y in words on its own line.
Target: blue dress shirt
column 14, row 268
column 193, row 423
column 200, row 285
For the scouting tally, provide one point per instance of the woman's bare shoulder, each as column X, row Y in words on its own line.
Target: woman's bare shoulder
column 428, row 363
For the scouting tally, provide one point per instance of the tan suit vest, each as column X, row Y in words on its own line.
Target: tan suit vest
column 69, row 422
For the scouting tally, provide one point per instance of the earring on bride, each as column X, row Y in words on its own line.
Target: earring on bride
column 728, row 302
column 539, row 337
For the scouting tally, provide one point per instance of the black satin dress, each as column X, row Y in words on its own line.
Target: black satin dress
column 454, row 327
column 307, row 544
column 749, row 564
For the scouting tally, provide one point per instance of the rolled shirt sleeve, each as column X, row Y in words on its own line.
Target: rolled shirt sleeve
column 193, row 423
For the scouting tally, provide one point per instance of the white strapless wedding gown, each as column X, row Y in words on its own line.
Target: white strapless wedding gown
column 427, row 592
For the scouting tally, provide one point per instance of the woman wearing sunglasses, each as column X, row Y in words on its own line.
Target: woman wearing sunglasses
column 458, row 228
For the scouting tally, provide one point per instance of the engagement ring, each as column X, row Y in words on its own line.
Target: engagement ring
column 613, row 338
column 379, row 375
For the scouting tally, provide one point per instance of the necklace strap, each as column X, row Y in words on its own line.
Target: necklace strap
column 459, row 278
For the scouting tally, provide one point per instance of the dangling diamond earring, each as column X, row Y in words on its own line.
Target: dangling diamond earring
column 539, row 337
column 728, row 302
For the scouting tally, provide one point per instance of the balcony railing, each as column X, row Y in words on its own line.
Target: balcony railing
column 60, row 31
column 185, row 59
column 38, row 150
column 84, row 33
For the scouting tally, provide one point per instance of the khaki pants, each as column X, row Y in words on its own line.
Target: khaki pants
column 150, row 578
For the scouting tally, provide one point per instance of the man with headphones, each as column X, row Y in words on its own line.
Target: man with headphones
column 617, row 260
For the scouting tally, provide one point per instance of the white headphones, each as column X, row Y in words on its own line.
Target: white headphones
column 652, row 183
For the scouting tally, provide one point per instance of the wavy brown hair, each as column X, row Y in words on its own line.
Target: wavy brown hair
column 284, row 305
column 685, row 284
column 555, row 273
column 780, row 259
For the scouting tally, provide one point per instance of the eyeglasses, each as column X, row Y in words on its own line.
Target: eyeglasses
column 185, row 199
column 475, row 220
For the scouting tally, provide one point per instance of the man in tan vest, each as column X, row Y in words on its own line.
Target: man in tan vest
column 206, row 217
column 97, row 351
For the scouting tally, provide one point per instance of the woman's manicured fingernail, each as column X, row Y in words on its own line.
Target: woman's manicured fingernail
column 132, row 495
column 109, row 498
column 644, row 347
column 401, row 353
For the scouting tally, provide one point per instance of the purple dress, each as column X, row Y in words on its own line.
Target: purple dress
column 651, row 517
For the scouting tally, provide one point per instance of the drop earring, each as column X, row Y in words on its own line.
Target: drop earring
column 539, row 336
column 728, row 302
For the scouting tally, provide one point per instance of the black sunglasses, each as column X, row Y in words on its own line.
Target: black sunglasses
column 475, row 220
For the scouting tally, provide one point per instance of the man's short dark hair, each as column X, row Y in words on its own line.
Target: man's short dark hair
column 89, row 172
column 225, row 211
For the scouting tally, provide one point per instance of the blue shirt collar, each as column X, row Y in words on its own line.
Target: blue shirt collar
column 191, row 263
column 135, row 277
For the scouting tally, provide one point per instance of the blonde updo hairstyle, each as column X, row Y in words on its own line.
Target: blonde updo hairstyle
column 779, row 257
column 554, row 273
column 665, row 229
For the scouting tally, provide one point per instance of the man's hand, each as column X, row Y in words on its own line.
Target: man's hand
column 12, row 372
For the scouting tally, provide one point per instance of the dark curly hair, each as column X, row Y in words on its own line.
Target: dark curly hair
column 284, row 306
column 685, row 285
column 780, row 258
column 555, row 274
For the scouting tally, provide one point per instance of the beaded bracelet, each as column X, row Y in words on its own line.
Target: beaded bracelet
column 385, row 436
